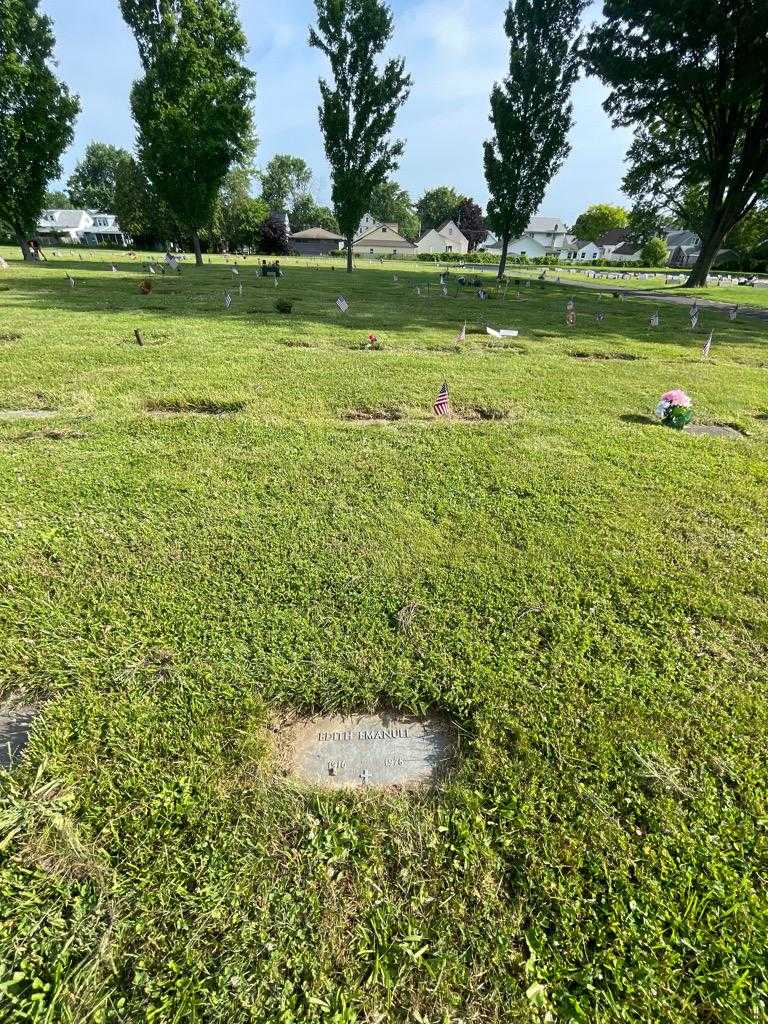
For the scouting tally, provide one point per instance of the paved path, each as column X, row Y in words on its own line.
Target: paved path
column 757, row 312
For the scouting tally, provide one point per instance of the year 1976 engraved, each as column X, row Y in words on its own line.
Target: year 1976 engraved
column 393, row 762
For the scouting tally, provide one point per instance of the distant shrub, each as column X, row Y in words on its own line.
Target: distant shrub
column 284, row 306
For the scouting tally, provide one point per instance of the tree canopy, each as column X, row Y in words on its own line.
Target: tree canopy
column 284, row 181
column 92, row 184
column 470, row 219
column 142, row 214
column 193, row 105
column 391, row 204
column 307, row 214
column 237, row 214
column 531, row 112
column 438, row 205
column 654, row 252
column 37, row 115
column 358, row 108
column 690, row 78
column 597, row 219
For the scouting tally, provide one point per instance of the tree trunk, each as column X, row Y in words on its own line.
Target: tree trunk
column 503, row 263
column 709, row 249
column 198, row 250
column 26, row 252
column 350, row 267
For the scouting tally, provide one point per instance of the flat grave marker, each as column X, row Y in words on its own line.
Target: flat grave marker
column 369, row 751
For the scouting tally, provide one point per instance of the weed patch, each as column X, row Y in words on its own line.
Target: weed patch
column 199, row 406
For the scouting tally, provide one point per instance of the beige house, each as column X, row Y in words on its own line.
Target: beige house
column 383, row 240
column 448, row 237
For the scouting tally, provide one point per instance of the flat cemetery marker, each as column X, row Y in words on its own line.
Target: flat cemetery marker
column 15, row 726
column 370, row 751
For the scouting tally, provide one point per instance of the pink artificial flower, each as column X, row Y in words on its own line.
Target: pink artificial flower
column 677, row 397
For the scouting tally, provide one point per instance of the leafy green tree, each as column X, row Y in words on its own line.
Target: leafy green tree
column 193, row 106
column 57, row 200
column 358, row 110
column 92, row 185
column 391, row 204
column 597, row 219
column 284, row 181
column 37, row 115
column 647, row 221
column 469, row 218
column 691, row 78
column 307, row 214
column 238, row 215
column 141, row 213
column 531, row 112
column 654, row 253
column 438, row 205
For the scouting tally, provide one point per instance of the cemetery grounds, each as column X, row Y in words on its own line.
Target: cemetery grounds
column 252, row 514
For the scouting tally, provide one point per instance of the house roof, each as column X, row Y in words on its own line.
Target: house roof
column 384, row 233
column 445, row 224
column 628, row 249
column 62, row 218
column 317, row 233
column 614, row 237
column 546, row 224
column 578, row 243
column 681, row 237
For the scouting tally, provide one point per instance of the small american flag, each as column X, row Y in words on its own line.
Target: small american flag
column 342, row 303
column 240, row 288
column 462, row 333
column 733, row 313
column 655, row 319
column 694, row 319
column 570, row 306
column 441, row 405
column 114, row 269
column 171, row 262
column 600, row 317
column 277, row 282
column 395, row 278
column 151, row 269
column 235, row 272
column 71, row 280
column 445, row 292
column 227, row 300
column 707, row 346
column 570, row 318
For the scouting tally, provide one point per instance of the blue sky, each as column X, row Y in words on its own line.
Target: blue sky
column 454, row 51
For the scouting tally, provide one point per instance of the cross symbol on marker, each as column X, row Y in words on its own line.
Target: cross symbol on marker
column 365, row 775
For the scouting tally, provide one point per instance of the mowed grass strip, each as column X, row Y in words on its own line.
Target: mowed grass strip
column 586, row 596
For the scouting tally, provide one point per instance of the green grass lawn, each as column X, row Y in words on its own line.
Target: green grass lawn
column 589, row 596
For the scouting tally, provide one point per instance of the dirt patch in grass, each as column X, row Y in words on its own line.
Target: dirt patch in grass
column 476, row 413
column 27, row 414
column 199, row 407
column 49, row 434
column 762, row 416
column 297, row 343
column 373, row 414
column 9, row 336
column 507, row 346
column 621, row 356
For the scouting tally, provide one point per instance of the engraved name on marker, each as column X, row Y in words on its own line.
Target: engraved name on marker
column 370, row 751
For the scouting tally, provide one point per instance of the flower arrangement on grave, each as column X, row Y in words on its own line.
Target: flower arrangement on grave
column 145, row 287
column 373, row 343
column 675, row 409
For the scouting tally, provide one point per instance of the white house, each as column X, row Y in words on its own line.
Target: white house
column 79, row 227
column 611, row 240
column 550, row 232
column 578, row 250
column 381, row 240
column 544, row 236
column 522, row 246
column 368, row 223
column 448, row 237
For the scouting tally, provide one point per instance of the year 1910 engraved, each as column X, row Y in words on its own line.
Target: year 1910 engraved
column 334, row 766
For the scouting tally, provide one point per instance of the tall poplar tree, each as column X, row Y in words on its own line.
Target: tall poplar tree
column 691, row 77
column 37, row 116
column 193, row 106
column 358, row 110
column 531, row 112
